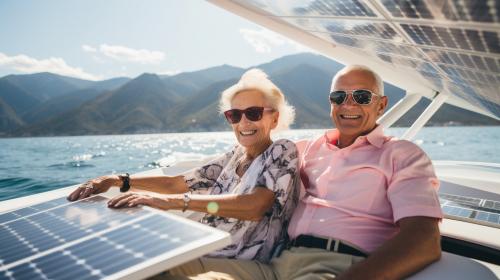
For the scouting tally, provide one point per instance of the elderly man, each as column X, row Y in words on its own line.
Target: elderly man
column 369, row 208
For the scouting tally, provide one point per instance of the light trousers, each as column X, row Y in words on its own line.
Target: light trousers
column 298, row 263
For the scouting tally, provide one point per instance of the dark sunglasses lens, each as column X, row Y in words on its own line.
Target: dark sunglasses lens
column 362, row 97
column 254, row 113
column 233, row 116
column 338, row 97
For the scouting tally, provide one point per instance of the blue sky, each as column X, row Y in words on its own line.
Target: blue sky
column 96, row 39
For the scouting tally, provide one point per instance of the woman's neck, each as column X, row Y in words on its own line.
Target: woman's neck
column 255, row 151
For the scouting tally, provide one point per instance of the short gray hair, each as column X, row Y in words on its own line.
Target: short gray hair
column 256, row 79
column 379, row 82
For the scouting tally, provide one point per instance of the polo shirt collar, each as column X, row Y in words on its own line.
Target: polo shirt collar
column 375, row 137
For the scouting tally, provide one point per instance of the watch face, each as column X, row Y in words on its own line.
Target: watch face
column 186, row 198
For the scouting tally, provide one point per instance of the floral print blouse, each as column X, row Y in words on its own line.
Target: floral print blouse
column 275, row 169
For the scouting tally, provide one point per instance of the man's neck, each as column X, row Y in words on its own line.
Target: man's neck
column 347, row 140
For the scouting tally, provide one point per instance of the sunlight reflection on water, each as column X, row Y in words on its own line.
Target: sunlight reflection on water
column 29, row 165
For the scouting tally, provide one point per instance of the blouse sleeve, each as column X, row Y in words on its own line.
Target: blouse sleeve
column 202, row 179
column 280, row 170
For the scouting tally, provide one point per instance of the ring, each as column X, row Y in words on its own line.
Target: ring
column 88, row 186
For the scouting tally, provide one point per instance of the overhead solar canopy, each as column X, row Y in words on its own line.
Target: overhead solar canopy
column 87, row 240
column 449, row 46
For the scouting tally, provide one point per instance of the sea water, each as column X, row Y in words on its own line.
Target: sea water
column 33, row 165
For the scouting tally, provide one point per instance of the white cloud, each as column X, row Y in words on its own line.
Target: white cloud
column 169, row 72
column 57, row 65
column 265, row 40
column 88, row 48
column 262, row 40
column 122, row 53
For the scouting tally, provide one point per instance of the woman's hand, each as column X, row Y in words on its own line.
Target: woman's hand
column 94, row 186
column 135, row 199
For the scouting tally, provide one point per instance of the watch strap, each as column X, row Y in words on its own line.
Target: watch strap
column 125, row 182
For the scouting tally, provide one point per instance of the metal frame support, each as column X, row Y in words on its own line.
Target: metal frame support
column 436, row 103
column 398, row 110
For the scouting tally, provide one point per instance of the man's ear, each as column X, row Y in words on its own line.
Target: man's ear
column 382, row 105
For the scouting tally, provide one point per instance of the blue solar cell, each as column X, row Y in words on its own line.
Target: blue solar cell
column 482, row 216
column 8, row 217
column 479, row 11
column 25, row 271
column 447, row 210
column 50, row 204
column 493, row 218
column 464, row 213
column 460, row 38
column 475, row 39
column 493, row 64
column 492, row 41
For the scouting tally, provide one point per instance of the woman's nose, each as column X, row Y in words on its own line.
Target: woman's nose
column 244, row 119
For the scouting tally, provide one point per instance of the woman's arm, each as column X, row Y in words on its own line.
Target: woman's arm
column 251, row 207
column 159, row 184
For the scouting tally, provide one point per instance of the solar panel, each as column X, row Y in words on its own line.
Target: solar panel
column 87, row 240
column 470, row 209
column 314, row 7
column 454, row 46
column 480, row 11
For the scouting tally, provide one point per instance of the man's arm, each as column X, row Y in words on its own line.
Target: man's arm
column 415, row 246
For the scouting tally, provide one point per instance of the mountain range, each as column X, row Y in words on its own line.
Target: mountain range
column 46, row 104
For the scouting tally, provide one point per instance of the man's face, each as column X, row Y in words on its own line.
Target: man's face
column 351, row 118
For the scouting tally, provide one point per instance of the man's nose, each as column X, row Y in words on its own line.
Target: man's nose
column 349, row 101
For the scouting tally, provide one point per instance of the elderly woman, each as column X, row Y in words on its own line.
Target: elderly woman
column 249, row 192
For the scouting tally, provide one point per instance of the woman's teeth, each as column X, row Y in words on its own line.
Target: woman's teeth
column 248, row 132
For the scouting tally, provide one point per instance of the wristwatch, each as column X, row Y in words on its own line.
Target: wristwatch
column 186, row 200
column 125, row 182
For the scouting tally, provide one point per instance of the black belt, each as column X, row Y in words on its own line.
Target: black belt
column 327, row 244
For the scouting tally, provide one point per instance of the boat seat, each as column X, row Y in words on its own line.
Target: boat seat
column 454, row 267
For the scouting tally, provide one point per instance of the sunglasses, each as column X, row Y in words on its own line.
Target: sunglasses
column 360, row 96
column 251, row 113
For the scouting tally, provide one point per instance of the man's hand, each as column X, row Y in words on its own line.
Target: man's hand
column 417, row 245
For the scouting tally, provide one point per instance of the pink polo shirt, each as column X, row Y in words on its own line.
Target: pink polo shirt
column 358, row 193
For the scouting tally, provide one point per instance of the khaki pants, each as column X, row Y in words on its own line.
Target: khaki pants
column 296, row 263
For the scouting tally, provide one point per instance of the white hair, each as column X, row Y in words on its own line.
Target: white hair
column 256, row 79
column 378, row 81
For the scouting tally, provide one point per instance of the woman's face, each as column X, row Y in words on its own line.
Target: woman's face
column 253, row 133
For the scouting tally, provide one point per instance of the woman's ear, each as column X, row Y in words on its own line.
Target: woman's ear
column 276, row 117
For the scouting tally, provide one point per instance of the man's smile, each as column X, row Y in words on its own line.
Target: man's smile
column 349, row 116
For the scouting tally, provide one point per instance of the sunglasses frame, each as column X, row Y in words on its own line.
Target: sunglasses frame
column 351, row 93
column 245, row 112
